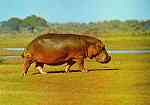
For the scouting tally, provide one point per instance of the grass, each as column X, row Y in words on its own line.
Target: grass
column 15, row 41
column 126, row 41
column 124, row 81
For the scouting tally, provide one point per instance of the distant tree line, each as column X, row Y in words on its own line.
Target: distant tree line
column 38, row 24
column 30, row 24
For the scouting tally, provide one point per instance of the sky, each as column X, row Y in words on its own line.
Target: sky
column 76, row 10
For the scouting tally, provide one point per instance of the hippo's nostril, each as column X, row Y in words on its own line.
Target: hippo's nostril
column 109, row 58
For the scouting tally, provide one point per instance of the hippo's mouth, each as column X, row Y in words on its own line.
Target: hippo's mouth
column 106, row 60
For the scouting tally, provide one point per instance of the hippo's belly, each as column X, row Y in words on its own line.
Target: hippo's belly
column 57, row 57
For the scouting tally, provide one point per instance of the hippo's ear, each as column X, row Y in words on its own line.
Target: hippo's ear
column 92, row 51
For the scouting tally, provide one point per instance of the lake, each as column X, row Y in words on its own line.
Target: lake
column 110, row 51
column 17, row 57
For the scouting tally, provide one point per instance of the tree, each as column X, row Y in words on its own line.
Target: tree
column 33, row 22
column 13, row 24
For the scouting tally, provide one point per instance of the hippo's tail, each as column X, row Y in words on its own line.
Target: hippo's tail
column 22, row 55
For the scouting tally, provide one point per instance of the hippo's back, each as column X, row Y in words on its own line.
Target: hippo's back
column 57, row 41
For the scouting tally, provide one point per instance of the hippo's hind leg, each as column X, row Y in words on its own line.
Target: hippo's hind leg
column 39, row 67
column 26, row 66
column 69, row 64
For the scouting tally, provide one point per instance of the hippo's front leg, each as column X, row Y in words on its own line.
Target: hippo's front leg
column 26, row 66
column 80, row 61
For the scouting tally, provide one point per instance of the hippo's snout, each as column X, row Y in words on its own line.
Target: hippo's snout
column 105, row 60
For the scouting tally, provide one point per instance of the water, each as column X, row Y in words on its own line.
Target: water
column 110, row 51
column 129, row 51
column 12, row 49
column 9, row 57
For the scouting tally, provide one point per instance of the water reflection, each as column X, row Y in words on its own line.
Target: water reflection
column 129, row 51
column 12, row 49
column 110, row 51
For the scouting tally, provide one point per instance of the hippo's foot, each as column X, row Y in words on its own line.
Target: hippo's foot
column 40, row 69
column 66, row 71
column 67, row 67
column 84, row 70
column 24, row 74
column 43, row 72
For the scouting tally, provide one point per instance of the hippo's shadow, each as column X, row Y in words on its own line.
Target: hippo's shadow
column 89, row 70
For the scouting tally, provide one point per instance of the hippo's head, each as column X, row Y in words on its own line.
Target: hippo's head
column 99, row 52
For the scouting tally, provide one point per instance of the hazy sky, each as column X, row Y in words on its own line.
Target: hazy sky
column 76, row 10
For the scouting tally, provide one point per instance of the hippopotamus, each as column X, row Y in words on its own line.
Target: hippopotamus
column 58, row 49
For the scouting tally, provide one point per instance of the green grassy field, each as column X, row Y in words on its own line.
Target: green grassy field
column 124, row 81
column 15, row 41
column 127, row 42
column 112, row 41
